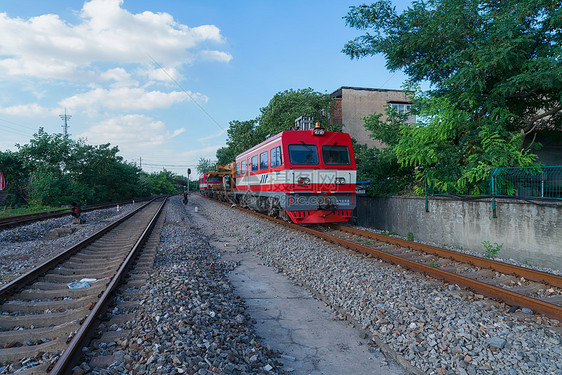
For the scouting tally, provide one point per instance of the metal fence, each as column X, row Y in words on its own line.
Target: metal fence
column 527, row 182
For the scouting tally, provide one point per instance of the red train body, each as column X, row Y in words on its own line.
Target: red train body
column 209, row 182
column 307, row 176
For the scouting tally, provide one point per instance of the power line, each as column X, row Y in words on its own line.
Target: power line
column 392, row 76
column 187, row 93
column 15, row 123
column 170, row 165
column 15, row 131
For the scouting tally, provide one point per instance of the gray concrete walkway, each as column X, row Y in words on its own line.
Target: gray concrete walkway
column 292, row 321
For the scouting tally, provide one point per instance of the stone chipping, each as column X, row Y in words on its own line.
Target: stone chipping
column 439, row 328
column 186, row 319
column 26, row 246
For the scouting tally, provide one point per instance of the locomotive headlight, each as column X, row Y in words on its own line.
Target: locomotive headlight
column 340, row 180
column 304, row 181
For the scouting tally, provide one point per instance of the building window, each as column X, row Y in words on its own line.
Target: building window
column 401, row 107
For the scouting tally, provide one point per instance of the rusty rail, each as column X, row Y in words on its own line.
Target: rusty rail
column 495, row 265
column 490, row 291
column 14, row 220
column 61, row 366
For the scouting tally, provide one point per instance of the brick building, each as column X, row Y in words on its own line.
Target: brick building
column 352, row 104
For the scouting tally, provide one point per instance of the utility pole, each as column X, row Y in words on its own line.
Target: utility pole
column 140, row 162
column 65, row 118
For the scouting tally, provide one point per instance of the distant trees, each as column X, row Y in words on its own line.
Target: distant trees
column 205, row 165
column 495, row 71
column 53, row 169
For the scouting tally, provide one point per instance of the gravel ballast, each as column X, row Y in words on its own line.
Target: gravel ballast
column 438, row 328
column 26, row 246
column 186, row 319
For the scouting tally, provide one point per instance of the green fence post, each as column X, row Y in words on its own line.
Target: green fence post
column 494, row 193
column 425, row 193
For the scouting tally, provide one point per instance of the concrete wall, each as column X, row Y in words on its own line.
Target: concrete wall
column 529, row 233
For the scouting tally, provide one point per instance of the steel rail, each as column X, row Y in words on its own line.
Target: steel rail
column 52, row 262
column 491, row 291
column 65, row 360
column 14, row 220
column 495, row 265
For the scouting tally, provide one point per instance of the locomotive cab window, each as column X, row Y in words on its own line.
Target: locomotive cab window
column 263, row 160
column 276, row 160
column 254, row 163
column 243, row 167
column 303, row 154
column 238, row 169
column 335, row 154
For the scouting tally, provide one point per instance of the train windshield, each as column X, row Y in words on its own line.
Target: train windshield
column 335, row 154
column 303, row 154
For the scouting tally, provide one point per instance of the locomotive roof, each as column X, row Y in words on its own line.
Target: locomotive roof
column 268, row 140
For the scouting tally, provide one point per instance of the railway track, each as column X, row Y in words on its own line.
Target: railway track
column 46, row 314
column 15, row 220
column 514, row 285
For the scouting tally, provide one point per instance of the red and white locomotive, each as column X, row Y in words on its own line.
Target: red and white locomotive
column 307, row 176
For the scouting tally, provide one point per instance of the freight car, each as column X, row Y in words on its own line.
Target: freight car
column 305, row 176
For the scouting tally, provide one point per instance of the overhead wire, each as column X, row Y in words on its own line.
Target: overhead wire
column 191, row 97
column 169, row 165
column 17, row 130
column 7, row 129
column 392, row 76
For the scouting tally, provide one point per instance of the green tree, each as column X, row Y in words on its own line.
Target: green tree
column 241, row 135
column 496, row 79
column 204, row 165
column 382, row 169
column 285, row 107
column 16, row 173
column 164, row 182
column 54, row 170
column 225, row 155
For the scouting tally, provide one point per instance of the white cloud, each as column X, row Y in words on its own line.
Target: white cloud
column 125, row 98
column 49, row 47
column 161, row 74
column 120, row 78
column 130, row 131
column 216, row 55
column 26, row 110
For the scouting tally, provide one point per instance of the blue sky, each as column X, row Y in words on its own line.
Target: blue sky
column 162, row 80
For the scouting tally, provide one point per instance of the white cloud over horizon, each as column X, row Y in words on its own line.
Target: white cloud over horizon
column 125, row 98
column 130, row 130
column 113, row 69
column 48, row 47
